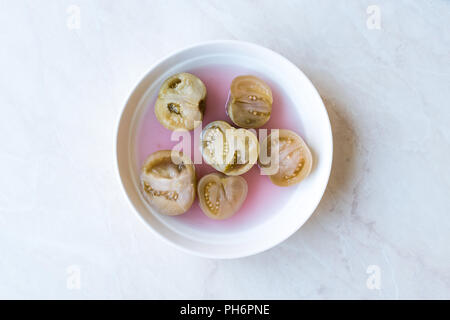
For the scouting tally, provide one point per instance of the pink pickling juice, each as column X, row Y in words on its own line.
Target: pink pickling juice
column 152, row 136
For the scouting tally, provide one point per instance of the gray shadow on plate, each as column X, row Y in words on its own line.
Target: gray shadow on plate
column 318, row 237
column 313, row 240
column 343, row 171
column 341, row 180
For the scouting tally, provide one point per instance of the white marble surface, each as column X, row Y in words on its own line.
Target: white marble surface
column 387, row 91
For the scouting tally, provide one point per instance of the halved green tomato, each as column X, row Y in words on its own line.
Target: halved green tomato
column 221, row 196
column 287, row 160
column 181, row 102
column 250, row 102
column 168, row 182
column 227, row 149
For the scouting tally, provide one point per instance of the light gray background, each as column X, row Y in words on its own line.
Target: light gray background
column 387, row 92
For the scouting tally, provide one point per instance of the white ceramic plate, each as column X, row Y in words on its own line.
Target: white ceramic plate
column 271, row 224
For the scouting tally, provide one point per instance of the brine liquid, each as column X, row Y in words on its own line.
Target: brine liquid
column 263, row 197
